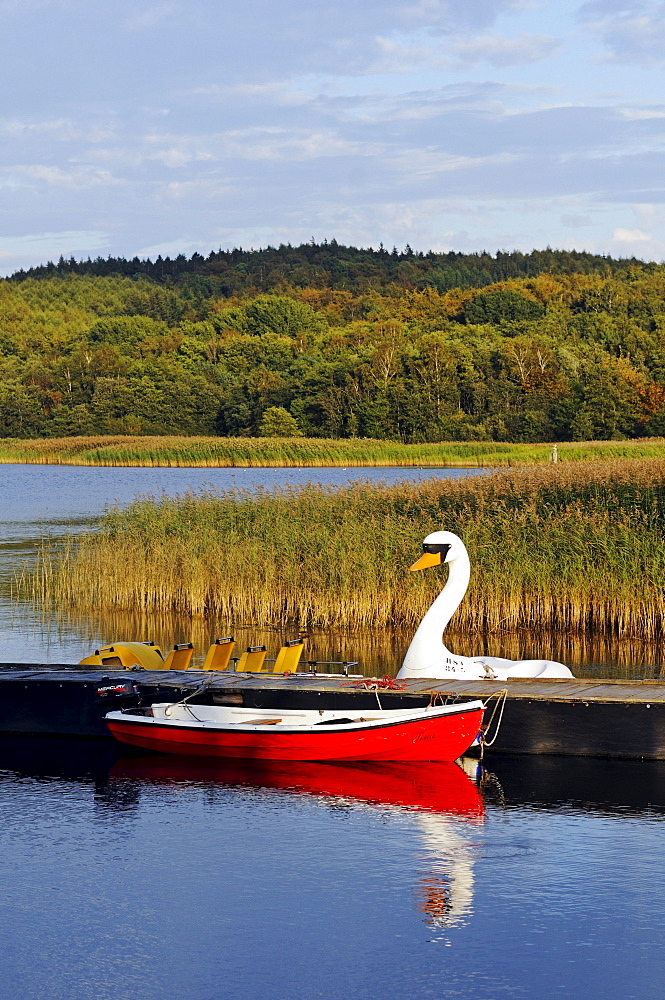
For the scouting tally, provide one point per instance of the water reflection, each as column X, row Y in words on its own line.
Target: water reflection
column 445, row 889
column 443, row 800
column 464, row 789
column 581, row 784
column 541, row 877
column 446, row 802
column 443, row 797
column 76, row 634
column 434, row 788
column 59, row 759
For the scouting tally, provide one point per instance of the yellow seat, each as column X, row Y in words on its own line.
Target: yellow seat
column 252, row 659
column 180, row 657
column 127, row 654
column 218, row 656
column 288, row 657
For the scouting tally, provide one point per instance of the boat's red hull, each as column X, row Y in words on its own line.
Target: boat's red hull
column 436, row 738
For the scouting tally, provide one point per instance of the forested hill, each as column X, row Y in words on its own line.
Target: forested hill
column 567, row 347
column 331, row 265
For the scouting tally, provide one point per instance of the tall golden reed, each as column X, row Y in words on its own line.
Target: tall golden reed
column 576, row 548
column 217, row 452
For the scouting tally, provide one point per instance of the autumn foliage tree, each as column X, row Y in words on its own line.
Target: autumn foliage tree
column 333, row 341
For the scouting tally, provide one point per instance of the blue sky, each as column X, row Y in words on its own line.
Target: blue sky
column 165, row 127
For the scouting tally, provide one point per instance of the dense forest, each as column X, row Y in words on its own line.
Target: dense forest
column 331, row 265
column 332, row 341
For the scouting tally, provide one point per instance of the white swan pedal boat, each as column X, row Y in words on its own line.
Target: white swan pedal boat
column 441, row 733
column 428, row 657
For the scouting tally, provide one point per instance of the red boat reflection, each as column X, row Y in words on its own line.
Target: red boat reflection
column 438, row 787
column 443, row 799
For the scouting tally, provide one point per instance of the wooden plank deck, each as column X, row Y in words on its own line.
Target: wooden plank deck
column 564, row 690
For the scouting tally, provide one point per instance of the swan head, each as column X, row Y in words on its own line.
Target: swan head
column 439, row 547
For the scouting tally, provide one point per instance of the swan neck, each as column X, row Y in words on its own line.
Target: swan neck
column 446, row 604
column 427, row 644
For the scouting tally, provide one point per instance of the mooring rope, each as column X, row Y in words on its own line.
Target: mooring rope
column 199, row 690
column 501, row 697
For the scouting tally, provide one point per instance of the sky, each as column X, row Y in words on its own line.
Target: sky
column 140, row 127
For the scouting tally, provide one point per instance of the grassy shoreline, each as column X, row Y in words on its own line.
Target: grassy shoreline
column 576, row 547
column 216, row 452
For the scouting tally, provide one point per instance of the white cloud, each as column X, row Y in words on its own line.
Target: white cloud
column 430, row 163
column 177, row 151
column 420, row 121
column 60, row 129
column 152, row 16
column 638, row 243
column 641, row 114
column 573, row 221
column 621, row 235
column 276, row 92
column 76, row 178
column 452, row 16
column 653, row 215
column 35, row 248
column 501, row 52
column 298, row 144
column 632, row 31
column 396, row 55
column 202, row 190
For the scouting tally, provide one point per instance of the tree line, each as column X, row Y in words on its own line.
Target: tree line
column 332, row 341
column 331, row 265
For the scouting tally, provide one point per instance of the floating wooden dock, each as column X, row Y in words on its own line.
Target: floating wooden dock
column 601, row 718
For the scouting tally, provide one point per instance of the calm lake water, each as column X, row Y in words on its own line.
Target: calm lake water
column 165, row 879
column 126, row 877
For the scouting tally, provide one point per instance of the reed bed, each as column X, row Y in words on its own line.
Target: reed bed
column 218, row 452
column 575, row 548
column 378, row 651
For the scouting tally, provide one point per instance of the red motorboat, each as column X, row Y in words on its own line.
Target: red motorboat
column 433, row 733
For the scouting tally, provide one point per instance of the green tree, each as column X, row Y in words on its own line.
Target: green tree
column 20, row 413
column 502, row 307
column 278, row 422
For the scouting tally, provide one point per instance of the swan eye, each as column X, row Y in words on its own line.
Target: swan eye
column 433, row 549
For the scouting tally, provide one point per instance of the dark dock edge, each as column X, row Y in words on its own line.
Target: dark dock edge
column 580, row 717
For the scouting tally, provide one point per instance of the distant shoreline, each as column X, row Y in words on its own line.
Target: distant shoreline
column 244, row 452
